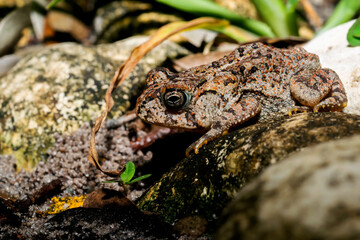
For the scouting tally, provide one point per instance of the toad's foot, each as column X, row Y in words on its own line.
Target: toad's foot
column 234, row 115
column 155, row 134
column 296, row 109
column 319, row 89
column 331, row 105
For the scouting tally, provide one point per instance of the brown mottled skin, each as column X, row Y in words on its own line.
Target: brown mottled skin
column 254, row 79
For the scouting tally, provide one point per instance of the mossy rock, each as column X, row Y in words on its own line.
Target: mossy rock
column 203, row 184
column 60, row 87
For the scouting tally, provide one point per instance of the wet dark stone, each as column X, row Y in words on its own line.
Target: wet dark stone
column 107, row 223
column 10, row 206
column 7, row 214
column 191, row 227
column 204, row 183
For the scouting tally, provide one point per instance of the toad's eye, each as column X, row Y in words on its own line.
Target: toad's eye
column 175, row 99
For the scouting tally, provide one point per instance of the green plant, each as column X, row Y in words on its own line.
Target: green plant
column 52, row 4
column 344, row 11
column 210, row 8
column 127, row 175
column 353, row 35
column 279, row 19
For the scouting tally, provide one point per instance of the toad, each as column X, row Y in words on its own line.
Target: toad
column 254, row 80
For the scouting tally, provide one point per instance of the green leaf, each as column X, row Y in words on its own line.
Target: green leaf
column 291, row 5
column 52, row 4
column 353, row 35
column 140, row 178
column 210, row 8
column 291, row 17
column 112, row 180
column 129, row 172
column 344, row 11
column 281, row 19
column 355, row 29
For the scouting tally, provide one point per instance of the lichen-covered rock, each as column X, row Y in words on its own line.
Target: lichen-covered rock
column 202, row 184
column 313, row 194
column 59, row 88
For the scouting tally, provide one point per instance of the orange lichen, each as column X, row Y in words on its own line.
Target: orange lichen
column 65, row 203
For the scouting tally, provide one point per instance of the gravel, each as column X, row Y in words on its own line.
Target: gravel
column 67, row 160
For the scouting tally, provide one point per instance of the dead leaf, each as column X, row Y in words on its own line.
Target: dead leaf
column 63, row 22
column 197, row 59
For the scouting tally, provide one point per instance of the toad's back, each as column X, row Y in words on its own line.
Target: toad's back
column 259, row 67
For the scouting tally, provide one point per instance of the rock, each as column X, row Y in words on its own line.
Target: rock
column 12, row 210
column 191, row 227
column 7, row 214
column 108, row 223
column 313, row 194
column 203, row 184
column 104, row 218
column 335, row 53
column 7, row 62
column 60, row 87
column 102, row 198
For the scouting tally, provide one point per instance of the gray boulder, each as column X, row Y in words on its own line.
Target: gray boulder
column 313, row 194
column 59, row 88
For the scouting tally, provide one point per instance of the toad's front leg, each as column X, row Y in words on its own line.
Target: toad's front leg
column 234, row 114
